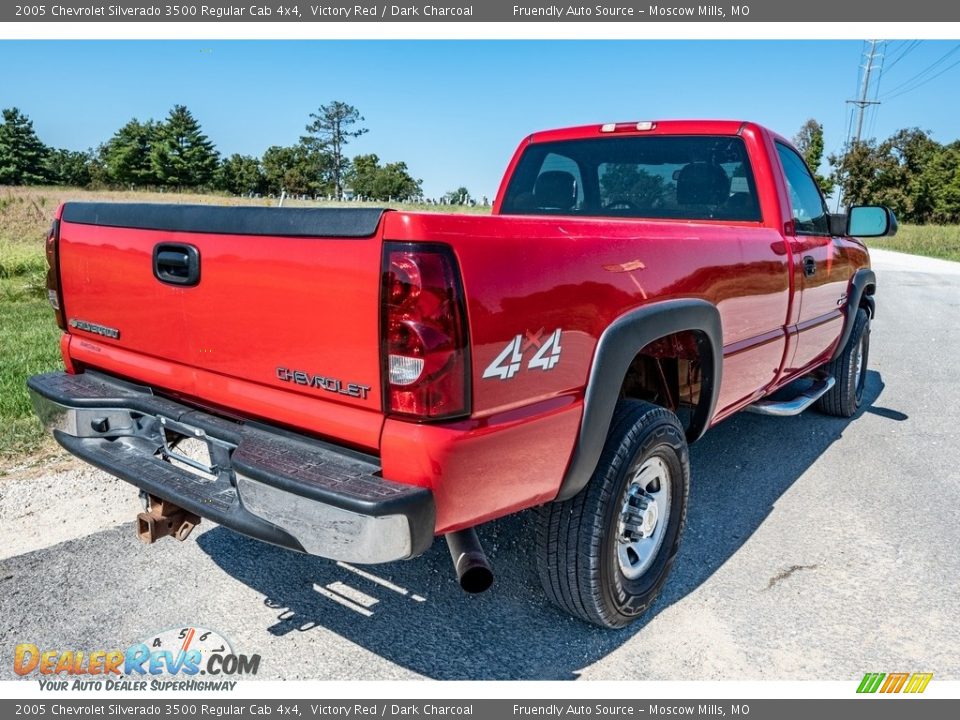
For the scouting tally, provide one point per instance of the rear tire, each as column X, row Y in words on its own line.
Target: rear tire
column 850, row 371
column 604, row 554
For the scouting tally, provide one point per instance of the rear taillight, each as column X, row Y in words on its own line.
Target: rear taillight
column 54, row 294
column 424, row 333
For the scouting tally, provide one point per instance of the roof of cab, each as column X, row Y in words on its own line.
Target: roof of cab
column 658, row 127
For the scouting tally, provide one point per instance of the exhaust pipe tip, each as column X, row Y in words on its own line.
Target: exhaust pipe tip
column 470, row 561
column 476, row 579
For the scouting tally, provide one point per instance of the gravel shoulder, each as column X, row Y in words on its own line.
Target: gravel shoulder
column 43, row 505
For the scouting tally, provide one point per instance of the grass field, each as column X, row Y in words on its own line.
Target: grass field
column 28, row 345
column 28, row 334
column 936, row 241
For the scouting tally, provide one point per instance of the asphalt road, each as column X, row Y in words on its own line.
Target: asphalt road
column 816, row 548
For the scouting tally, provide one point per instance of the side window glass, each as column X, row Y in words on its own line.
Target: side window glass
column 809, row 212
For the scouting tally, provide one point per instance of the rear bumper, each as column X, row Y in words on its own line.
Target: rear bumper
column 287, row 490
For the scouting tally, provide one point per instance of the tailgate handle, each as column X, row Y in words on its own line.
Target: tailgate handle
column 176, row 264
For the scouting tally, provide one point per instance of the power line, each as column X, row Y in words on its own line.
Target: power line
column 872, row 111
column 932, row 66
column 924, row 82
column 908, row 48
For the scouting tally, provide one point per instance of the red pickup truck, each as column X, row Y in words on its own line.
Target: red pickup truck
column 352, row 383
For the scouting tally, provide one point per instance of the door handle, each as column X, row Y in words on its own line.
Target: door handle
column 176, row 264
column 809, row 265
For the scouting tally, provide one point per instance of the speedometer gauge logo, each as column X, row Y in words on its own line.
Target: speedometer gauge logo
column 188, row 650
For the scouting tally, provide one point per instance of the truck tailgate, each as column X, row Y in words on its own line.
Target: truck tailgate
column 286, row 300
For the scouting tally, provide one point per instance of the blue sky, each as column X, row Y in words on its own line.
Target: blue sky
column 455, row 110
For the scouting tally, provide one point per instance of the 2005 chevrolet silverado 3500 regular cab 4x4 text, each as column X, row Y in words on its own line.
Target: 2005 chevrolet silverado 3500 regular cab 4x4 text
column 352, row 383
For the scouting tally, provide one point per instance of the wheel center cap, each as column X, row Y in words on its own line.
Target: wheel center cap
column 649, row 521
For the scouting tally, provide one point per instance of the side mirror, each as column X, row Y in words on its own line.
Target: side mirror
column 871, row 221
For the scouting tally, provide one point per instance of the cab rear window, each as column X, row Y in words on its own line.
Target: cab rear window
column 657, row 177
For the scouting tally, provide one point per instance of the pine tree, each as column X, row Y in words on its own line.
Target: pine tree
column 181, row 155
column 331, row 130
column 22, row 155
column 126, row 156
column 68, row 167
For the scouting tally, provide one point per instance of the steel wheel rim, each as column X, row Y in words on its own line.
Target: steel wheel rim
column 645, row 507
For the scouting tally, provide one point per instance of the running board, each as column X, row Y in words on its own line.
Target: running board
column 794, row 406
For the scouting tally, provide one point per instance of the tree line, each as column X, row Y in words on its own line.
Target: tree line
column 909, row 172
column 175, row 153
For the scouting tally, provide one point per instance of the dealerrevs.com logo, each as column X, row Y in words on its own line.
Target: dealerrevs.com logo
column 190, row 658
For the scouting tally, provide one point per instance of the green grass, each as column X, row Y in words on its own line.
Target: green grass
column 936, row 241
column 28, row 345
column 21, row 259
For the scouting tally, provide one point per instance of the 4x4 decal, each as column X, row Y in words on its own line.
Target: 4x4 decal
column 508, row 362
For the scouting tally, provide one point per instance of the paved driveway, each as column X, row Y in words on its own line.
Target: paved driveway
column 816, row 549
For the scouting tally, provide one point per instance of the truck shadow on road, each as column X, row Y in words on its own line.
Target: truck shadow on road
column 413, row 614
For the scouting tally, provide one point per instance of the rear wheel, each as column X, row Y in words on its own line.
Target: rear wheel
column 604, row 554
column 850, row 371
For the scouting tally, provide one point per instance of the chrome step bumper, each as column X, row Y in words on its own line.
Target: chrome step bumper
column 288, row 490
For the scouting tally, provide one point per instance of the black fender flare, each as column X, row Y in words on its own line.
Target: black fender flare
column 617, row 347
column 863, row 284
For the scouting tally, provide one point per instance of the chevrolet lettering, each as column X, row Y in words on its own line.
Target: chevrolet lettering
column 329, row 384
column 95, row 328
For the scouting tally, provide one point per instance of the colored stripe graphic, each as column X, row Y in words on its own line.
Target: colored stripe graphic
column 870, row 682
column 894, row 682
column 918, row 682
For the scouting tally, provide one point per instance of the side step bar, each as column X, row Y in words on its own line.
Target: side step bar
column 794, row 406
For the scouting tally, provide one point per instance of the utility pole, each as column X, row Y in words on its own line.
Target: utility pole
column 862, row 103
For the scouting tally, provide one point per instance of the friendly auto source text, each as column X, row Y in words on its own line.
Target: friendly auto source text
column 629, row 710
column 626, row 11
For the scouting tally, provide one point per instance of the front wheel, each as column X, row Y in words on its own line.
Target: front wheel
column 850, row 371
column 604, row 554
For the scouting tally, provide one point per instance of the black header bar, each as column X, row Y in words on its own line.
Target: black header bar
column 371, row 11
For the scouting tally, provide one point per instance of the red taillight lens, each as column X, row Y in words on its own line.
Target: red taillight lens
column 424, row 329
column 54, row 295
